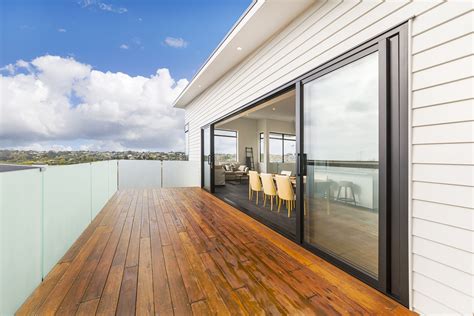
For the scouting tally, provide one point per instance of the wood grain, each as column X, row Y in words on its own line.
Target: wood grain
column 184, row 252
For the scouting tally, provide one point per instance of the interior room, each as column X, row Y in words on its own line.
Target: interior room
column 262, row 139
column 255, row 170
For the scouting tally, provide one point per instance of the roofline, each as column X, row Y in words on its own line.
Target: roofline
column 216, row 49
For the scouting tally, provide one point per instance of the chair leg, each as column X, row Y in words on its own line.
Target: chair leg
column 271, row 202
column 279, row 205
column 264, row 199
column 256, row 201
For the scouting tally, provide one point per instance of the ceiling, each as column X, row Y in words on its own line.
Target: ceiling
column 280, row 108
column 261, row 20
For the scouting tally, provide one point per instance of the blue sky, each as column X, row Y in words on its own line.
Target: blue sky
column 92, row 34
column 100, row 74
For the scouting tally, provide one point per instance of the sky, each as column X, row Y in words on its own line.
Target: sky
column 102, row 75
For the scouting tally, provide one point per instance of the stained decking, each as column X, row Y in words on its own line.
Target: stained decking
column 183, row 251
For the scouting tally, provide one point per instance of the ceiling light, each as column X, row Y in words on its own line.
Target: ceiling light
column 273, row 109
column 239, row 48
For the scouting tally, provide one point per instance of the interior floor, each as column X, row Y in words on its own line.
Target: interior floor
column 238, row 193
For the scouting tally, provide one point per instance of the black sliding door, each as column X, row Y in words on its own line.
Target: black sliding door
column 353, row 170
column 207, row 158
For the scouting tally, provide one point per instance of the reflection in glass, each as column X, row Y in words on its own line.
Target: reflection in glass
column 341, row 143
column 206, row 162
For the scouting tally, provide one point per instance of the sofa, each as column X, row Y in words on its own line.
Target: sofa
column 219, row 175
column 235, row 172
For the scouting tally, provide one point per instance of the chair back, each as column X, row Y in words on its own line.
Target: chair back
column 254, row 181
column 268, row 184
column 286, row 173
column 285, row 189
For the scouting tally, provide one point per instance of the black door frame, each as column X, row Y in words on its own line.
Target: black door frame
column 393, row 225
column 210, row 157
column 380, row 282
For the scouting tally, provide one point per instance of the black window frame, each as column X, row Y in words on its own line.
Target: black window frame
column 236, row 136
column 186, row 140
column 283, row 139
column 393, row 43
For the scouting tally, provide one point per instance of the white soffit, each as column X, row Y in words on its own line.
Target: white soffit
column 262, row 20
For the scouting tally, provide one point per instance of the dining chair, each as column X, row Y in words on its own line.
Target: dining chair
column 254, row 185
column 286, row 173
column 285, row 193
column 269, row 189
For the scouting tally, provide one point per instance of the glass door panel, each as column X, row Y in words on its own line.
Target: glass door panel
column 206, row 159
column 341, row 143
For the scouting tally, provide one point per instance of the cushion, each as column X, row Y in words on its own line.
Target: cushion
column 227, row 168
column 242, row 168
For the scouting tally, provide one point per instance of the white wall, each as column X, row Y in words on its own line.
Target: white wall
column 442, row 118
column 443, row 159
column 247, row 136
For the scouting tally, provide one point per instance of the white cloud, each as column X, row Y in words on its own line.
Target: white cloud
column 44, row 147
column 124, row 46
column 10, row 68
column 176, row 42
column 62, row 100
column 102, row 6
column 61, row 30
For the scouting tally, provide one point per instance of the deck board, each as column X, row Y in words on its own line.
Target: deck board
column 183, row 252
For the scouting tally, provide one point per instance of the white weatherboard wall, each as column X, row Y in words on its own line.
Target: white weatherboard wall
column 442, row 115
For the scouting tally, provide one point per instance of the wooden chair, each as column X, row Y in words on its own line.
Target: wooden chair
column 286, row 173
column 285, row 193
column 254, row 185
column 269, row 189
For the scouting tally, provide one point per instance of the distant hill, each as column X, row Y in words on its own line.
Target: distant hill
column 31, row 157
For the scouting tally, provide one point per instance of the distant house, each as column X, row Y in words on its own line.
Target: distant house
column 368, row 107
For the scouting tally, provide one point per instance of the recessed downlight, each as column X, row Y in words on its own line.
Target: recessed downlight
column 239, row 48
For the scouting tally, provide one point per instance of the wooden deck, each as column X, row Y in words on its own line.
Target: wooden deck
column 183, row 252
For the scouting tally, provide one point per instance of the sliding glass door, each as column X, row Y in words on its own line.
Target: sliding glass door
column 341, row 133
column 352, row 145
column 207, row 159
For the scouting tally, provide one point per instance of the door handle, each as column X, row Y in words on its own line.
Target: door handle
column 298, row 164
column 209, row 160
column 304, row 164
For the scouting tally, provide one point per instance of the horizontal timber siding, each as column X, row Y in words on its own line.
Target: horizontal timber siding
column 442, row 121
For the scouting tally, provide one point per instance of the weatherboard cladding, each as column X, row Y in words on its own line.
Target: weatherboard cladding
column 442, row 122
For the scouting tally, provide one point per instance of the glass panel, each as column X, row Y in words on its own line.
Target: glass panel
column 139, row 174
column 275, row 148
column 20, row 241
column 205, row 159
column 181, row 174
column 225, row 147
column 289, row 150
column 100, row 185
column 262, row 147
column 341, row 143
